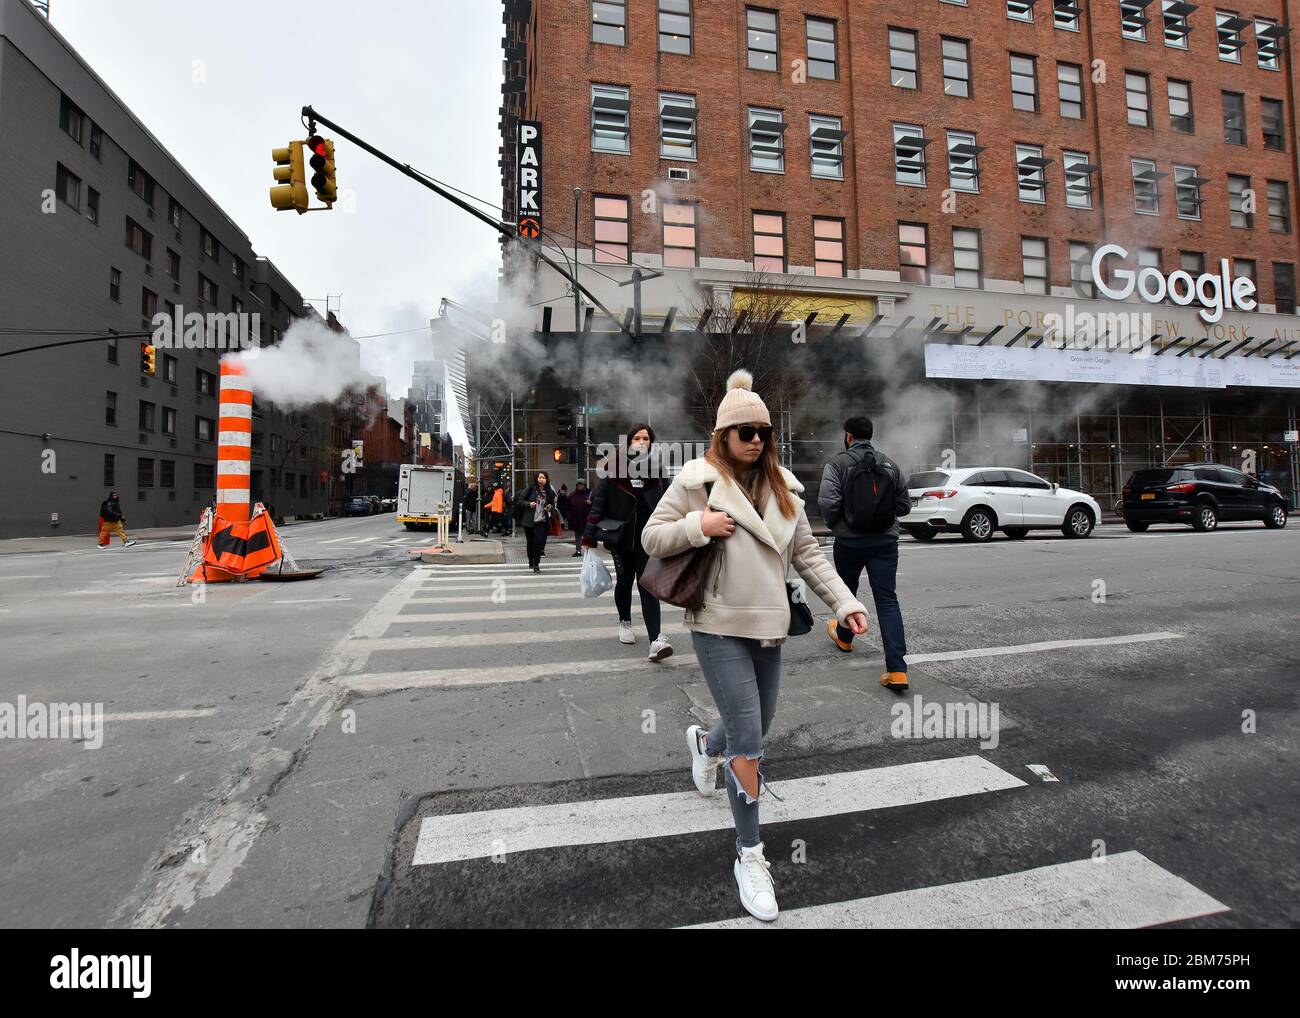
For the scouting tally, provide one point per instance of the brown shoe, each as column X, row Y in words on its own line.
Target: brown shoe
column 832, row 627
column 897, row 681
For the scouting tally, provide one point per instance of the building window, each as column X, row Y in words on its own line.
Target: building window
column 169, row 421
column 913, row 253
column 92, row 205
column 1065, row 14
column 1176, row 25
column 1238, row 187
column 205, row 475
column 169, row 362
column 1033, row 264
column 680, row 247
column 909, row 155
column 610, row 118
column 826, row 147
column 966, row 262
column 1191, row 262
column 1020, row 10
column 167, row 476
column 904, row 67
column 611, row 230
column 67, row 187
column 1078, row 180
column 769, row 241
column 1229, row 26
column 110, row 409
column 1244, row 267
column 1024, row 83
column 148, row 302
column 144, row 472
column 236, row 305
column 1149, row 258
column 110, row 470
column 207, row 290
column 1069, row 85
column 114, row 285
column 147, row 414
column 1279, row 207
column 1146, row 186
column 140, row 182
column 209, row 244
column 1274, row 124
column 205, row 429
column 766, row 140
column 1284, row 288
column 174, row 212
column 1138, row 91
column 675, row 26
column 956, row 67
column 1268, row 43
column 1181, row 119
column 70, row 119
column 963, row 162
column 761, row 38
column 237, row 269
column 173, row 264
column 828, row 246
column 676, row 126
column 609, row 21
column 1031, row 173
column 1133, row 20
column 1187, row 192
column 1234, row 118
column 1081, row 269
column 821, row 48
column 205, row 382
column 138, row 239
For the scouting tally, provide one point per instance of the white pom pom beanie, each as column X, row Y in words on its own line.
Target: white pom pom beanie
column 741, row 405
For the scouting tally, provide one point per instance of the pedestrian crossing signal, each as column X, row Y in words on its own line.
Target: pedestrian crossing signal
column 322, row 164
column 147, row 359
column 290, row 191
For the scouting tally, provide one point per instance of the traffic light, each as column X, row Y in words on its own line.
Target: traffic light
column 322, row 163
column 291, row 190
column 147, row 355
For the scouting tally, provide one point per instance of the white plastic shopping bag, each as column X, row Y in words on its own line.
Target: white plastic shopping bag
column 595, row 577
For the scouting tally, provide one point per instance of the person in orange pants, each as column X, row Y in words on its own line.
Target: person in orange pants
column 112, row 521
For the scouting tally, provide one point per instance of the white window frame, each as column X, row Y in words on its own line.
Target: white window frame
column 1137, row 33
column 1020, row 10
column 1229, row 54
column 619, row 92
column 1273, row 63
column 1183, row 174
column 967, row 185
column 1046, row 277
column 761, row 115
column 909, row 131
column 1041, row 173
column 673, row 149
column 1174, row 40
column 1066, row 22
column 1137, row 167
column 823, row 154
column 1069, row 160
column 978, row 249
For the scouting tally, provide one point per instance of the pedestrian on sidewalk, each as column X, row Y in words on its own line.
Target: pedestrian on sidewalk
column 621, row 506
column 741, row 495
column 469, row 505
column 579, row 507
column 536, row 507
column 862, row 495
column 112, row 521
column 496, row 508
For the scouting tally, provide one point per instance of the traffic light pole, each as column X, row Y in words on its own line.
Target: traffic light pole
column 535, row 246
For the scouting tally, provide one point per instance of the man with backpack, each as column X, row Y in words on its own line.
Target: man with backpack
column 862, row 495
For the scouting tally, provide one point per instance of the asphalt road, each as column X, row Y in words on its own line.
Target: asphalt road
column 398, row 745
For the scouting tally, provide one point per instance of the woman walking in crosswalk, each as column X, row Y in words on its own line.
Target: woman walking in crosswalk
column 536, row 507
column 739, row 493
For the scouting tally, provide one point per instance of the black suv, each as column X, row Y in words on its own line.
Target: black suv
column 1201, row 494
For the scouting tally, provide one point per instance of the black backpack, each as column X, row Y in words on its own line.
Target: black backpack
column 869, row 493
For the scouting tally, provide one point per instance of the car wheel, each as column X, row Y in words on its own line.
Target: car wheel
column 1276, row 519
column 1015, row 533
column 977, row 525
column 927, row 534
column 1136, row 527
column 1078, row 522
column 1206, row 518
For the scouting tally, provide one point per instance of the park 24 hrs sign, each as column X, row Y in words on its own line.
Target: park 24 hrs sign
column 528, row 179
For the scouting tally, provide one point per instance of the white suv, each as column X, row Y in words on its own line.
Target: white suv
column 976, row 501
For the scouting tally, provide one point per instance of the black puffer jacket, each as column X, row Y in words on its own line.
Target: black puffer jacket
column 547, row 498
column 616, row 499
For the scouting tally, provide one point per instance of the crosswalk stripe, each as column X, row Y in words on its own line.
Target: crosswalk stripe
column 518, row 584
column 333, row 540
column 1032, row 648
column 497, row 616
column 488, row 567
column 1121, row 891
column 457, row 837
column 496, row 674
column 361, row 648
column 568, row 595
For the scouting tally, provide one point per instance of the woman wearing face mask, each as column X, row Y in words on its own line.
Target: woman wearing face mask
column 623, row 501
column 740, row 494
column 538, row 505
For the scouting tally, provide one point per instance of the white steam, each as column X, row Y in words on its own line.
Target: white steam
column 311, row 364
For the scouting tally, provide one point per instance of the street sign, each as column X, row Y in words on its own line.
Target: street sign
column 1291, row 436
column 528, row 178
column 1020, row 436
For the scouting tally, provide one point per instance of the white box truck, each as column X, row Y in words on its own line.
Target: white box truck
column 423, row 494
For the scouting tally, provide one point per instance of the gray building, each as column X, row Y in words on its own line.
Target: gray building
column 428, row 395
column 101, row 228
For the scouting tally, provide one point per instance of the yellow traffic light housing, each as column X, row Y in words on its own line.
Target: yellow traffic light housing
column 291, row 190
column 322, row 163
column 147, row 359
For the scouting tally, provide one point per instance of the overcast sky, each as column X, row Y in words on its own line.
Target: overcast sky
column 419, row 79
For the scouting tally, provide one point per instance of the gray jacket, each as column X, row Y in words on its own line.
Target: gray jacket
column 830, row 495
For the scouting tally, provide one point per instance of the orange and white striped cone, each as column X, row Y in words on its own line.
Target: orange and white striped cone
column 234, row 443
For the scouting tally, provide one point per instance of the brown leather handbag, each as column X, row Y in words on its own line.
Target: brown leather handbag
column 681, row 579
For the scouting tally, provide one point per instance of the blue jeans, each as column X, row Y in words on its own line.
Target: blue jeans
column 744, row 679
column 878, row 554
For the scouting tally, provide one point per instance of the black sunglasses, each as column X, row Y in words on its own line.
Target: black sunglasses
column 748, row 431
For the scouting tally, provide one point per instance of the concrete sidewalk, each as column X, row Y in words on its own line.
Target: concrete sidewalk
column 71, row 542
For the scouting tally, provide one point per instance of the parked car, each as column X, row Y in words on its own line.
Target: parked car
column 389, row 505
column 1199, row 494
column 975, row 501
column 358, row 505
column 376, row 503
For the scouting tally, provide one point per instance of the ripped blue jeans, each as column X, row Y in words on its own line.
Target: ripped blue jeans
column 744, row 679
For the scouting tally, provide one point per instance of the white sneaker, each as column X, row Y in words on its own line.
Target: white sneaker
column 625, row 634
column 102, row 547
column 704, row 768
column 660, row 649
column 128, row 544
column 757, row 892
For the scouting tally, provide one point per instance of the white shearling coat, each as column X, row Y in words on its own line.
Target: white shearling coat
column 746, row 596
